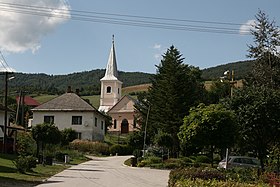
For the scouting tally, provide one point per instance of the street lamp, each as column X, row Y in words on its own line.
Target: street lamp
column 145, row 131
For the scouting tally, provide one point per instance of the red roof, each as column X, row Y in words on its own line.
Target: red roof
column 29, row 101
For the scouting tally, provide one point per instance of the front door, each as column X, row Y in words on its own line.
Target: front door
column 124, row 126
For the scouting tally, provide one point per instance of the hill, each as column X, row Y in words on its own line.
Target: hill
column 88, row 82
column 241, row 70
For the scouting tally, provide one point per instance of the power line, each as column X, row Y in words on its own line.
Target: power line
column 4, row 64
column 122, row 19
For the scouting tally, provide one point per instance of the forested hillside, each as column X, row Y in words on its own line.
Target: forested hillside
column 89, row 81
column 241, row 69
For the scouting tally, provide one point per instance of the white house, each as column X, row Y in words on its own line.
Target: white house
column 71, row 111
column 2, row 119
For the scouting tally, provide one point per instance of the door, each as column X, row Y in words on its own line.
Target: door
column 124, row 126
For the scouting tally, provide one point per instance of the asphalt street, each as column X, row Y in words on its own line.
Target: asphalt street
column 108, row 172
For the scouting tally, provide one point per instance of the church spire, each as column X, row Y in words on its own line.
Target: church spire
column 111, row 69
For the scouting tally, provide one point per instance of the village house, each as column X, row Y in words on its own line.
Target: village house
column 71, row 111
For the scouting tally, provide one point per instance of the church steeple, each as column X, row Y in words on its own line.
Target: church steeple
column 111, row 69
column 110, row 85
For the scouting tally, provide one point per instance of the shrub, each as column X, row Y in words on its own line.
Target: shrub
column 90, row 147
column 214, row 183
column 24, row 164
column 26, row 145
column 120, row 149
column 137, row 153
column 195, row 173
column 242, row 174
column 202, row 159
column 67, row 136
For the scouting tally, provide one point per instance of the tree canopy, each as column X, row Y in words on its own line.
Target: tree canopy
column 208, row 127
column 175, row 88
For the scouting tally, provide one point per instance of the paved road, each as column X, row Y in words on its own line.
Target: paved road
column 108, row 172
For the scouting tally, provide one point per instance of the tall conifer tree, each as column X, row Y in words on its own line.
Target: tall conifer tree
column 175, row 88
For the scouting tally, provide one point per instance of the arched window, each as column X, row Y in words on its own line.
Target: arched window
column 109, row 89
column 115, row 124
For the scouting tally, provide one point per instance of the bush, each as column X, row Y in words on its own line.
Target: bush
column 67, row 136
column 214, row 183
column 120, row 149
column 242, row 174
column 195, row 173
column 26, row 145
column 24, row 164
column 137, row 153
column 202, row 159
column 90, row 147
column 60, row 156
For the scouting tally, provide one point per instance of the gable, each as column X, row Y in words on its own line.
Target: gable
column 126, row 104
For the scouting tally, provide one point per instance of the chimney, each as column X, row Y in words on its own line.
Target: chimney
column 69, row 89
column 78, row 92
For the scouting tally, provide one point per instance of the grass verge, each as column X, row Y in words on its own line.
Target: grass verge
column 9, row 176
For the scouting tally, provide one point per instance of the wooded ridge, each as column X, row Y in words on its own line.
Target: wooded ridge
column 88, row 82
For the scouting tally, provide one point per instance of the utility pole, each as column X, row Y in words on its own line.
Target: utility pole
column 6, row 112
column 145, row 132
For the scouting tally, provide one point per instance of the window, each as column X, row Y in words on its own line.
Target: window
column 102, row 125
column 95, row 121
column 134, row 122
column 76, row 120
column 109, row 89
column 49, row 119
column 115, row 123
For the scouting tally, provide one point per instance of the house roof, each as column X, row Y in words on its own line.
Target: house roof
column 66, row 102
column 111, row 69
column 29, row 101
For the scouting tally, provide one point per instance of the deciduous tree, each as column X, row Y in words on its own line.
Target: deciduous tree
column 208, row 127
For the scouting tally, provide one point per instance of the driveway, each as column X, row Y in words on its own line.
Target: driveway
column 108, row 172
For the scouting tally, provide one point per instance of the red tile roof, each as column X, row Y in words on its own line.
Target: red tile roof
column 29, row 101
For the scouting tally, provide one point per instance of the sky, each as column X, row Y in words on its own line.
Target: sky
column 62, row 37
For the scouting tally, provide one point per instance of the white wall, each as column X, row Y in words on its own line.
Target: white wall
column 63, row 120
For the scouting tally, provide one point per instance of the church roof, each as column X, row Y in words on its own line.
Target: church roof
column 66, row 102
column 121, row 105
column 111, row 69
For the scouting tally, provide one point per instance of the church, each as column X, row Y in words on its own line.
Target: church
column 120, row 108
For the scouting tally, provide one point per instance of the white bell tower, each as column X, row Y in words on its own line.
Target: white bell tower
column 110, row 85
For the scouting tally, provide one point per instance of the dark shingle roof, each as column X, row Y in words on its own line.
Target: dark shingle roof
column 66, row 102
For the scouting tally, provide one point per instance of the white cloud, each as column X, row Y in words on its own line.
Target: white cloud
column 21, row 32
column 157, row 51
column 157, row 46
column 245, row 28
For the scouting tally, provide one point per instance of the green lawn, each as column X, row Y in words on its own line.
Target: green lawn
column 10, row 177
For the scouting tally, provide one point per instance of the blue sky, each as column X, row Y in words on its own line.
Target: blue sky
column 51, row 45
